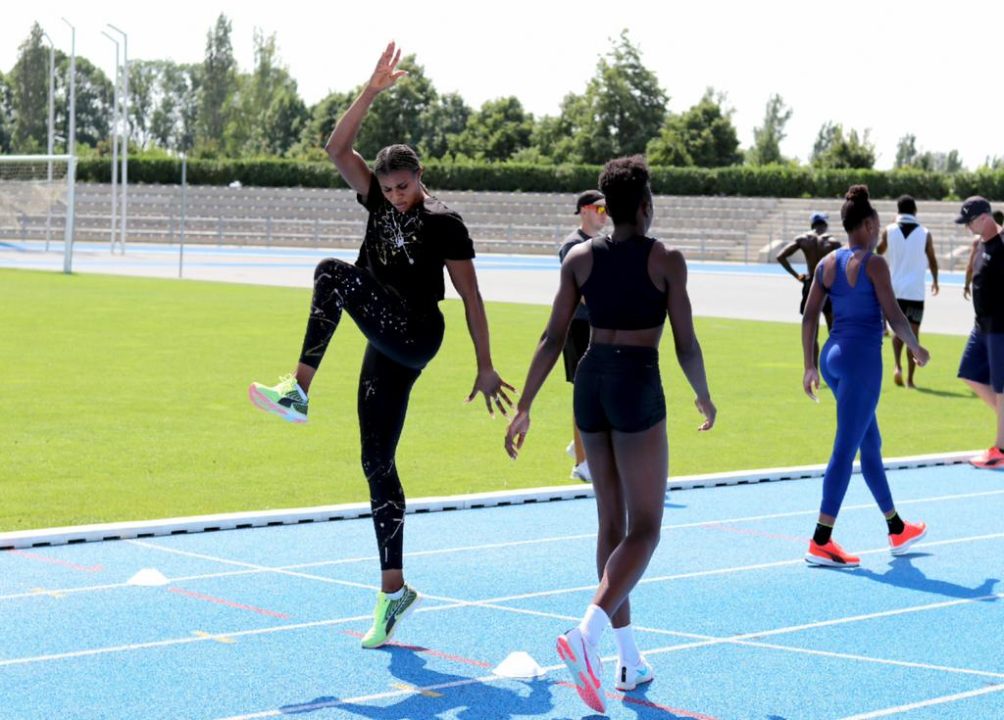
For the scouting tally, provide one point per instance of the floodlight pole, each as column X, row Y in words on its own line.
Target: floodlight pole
column 125, row 136
column 72, row 142
column 115, row 142
column 52, row 134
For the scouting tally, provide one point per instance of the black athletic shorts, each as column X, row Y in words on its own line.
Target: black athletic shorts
column 806, row 286
column 913, row 309
column 575, row 346
column 618, row 387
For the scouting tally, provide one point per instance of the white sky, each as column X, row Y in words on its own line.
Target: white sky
column 893, row 66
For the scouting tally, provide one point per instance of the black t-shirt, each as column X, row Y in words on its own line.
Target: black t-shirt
column 581, row 312
column 407, row 251
column 988, row 286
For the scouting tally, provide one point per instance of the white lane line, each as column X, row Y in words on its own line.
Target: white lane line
column 709, row 640
column 253, row 569
column 926, row 703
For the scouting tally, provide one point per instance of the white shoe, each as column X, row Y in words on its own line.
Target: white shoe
column 585, row 666
column 629, row 677
column 570, row 450
column 581, row 472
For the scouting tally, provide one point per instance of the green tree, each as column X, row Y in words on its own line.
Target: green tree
column 144, row 82
column 95, row 100
column 218, row 86
column 767, row 138
column 906, row 151
column 445, row 118
column 495, row 132
column 321, row 119
column 270, row 116
column 6, row 114
column 703, row 136
column 834, row 149
column 398, row 115
column 29, row 84
column 176, row 105
column 622, row 108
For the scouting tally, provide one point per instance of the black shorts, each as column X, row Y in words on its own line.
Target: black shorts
column 806, row 286
column 913, row 309
column 618, row 387
column 983, row 360
column 575, row 346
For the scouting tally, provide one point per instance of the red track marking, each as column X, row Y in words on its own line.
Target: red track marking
column 429, row 651
column 227, row 603
column 644, row 703
column 754, row 533
column 60, row 563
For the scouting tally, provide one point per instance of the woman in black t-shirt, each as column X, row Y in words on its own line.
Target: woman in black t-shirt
column 392, row 293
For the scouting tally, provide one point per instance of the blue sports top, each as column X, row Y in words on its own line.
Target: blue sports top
column 856, row 310
column 619, row 292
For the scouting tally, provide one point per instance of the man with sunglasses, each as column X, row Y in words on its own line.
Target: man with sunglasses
column 591, row 208
column 982, row 365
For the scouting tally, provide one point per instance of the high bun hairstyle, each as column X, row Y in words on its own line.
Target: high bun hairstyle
column 856, row 208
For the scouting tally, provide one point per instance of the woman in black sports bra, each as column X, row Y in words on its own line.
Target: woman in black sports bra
column 629, row 282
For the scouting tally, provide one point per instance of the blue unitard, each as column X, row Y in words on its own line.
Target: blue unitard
column 851, row 364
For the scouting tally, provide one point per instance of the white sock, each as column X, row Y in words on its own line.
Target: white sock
column 395, row 595
column 593, row 623
column 627, row 649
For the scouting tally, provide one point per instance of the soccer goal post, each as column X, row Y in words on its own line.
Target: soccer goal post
column 37, row 202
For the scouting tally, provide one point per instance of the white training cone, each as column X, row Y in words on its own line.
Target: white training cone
column 519, row 666
column 148, row 577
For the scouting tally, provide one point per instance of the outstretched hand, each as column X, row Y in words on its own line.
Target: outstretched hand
column 491, row 386
column 810, row 383
column 386, row 72
column 515, row 434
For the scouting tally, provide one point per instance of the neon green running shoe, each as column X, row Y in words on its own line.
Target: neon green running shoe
column 387, row 616
column 287, row 399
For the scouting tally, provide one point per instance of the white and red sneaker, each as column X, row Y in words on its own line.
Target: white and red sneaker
column 585, row 666
column 900, row 543
column 830, row 555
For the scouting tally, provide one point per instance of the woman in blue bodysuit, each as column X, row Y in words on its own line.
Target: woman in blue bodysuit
column 859, row 286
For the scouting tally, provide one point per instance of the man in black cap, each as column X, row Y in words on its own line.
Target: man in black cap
column 982, row 366
column 815, row 245
column 591, row 208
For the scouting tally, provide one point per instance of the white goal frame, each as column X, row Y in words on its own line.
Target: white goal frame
column 71, row 177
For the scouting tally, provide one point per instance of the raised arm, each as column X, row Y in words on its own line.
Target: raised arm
column 350, row 163
column 549, row 347
column 932, row 263
column 782, row 258
column 688, row 349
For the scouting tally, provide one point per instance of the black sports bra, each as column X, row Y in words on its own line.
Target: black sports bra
column 619, row 292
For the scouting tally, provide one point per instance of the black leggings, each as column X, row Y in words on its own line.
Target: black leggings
column 401, row 342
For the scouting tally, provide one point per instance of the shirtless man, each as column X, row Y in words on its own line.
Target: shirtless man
column 815, row 245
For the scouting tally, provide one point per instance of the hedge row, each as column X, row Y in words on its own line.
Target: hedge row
column 771, row 181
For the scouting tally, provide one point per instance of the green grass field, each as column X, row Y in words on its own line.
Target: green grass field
column 125, row 399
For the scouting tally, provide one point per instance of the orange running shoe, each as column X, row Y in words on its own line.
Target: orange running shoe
column 830, row 555
column 900, row 543
column 990, row 459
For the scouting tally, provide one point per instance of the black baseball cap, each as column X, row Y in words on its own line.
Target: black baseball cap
column 972, row 208
column 589, row 197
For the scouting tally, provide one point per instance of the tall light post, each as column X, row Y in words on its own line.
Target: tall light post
column 72, row 133
column 125, row 136
column 115, row 142
column 52, row 135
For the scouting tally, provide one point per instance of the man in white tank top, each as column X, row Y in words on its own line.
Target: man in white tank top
column 909, row 248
